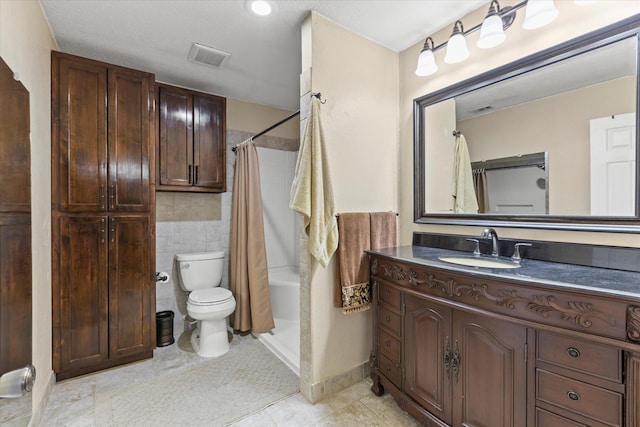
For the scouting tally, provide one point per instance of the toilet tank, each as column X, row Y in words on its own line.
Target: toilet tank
column 199, row 270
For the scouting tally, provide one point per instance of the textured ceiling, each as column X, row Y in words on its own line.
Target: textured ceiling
column 264, row 67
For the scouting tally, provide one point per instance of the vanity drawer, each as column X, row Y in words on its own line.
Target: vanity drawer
column 581, row 398
column 549, row 419
column 389, row 295
column 389, row 320
column 390, row 369
column 579, row 355
column 390, row 346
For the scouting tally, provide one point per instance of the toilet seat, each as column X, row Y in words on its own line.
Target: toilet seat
column 211, row 296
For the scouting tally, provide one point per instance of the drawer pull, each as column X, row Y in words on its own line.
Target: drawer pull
column 387, row 294
column 387, row 319
column 388, row 343
column 573, row 395
column 573, row 352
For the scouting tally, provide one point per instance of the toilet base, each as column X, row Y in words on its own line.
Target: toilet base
column 210, row 339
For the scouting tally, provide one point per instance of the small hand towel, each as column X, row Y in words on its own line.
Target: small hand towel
column 312, row 191
column 360, row 232
column 464, row 194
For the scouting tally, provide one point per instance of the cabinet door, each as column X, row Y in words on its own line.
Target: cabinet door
column 15, row 163
column 209, row 142
column 81, row 140
column 427, row 354
column 82, row 332
column 15, row 291
column 176, row 137
column 130, row 280
column 490, row 388
column 129, row 143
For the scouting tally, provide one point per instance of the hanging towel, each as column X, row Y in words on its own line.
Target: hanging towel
column 463, row 191
column 360, row 232
column 312, row 192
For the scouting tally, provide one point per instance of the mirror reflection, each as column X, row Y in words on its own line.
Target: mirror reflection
column 578, row 113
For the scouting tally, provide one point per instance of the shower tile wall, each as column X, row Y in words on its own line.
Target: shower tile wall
column 188, row 222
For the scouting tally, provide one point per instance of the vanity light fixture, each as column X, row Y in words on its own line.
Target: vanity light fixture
column 492, row 30
column 426, row 61
column 457, row 45
column 537, row 14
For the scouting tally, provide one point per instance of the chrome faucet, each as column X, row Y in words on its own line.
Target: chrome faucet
column 495, row 245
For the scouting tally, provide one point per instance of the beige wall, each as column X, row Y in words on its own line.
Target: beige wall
column 565, row 136
column 255, row 118
column 25, row 45
column 572, row 22
column 358, row 79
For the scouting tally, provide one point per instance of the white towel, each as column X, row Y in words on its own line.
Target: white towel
column 464, row 194
column 312, row 192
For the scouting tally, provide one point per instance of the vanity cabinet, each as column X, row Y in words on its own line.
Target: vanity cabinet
column 462, row 349
column 103, row 215
column 192, row 140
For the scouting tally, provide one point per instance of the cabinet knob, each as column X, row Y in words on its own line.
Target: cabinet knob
column 387, row 319
column 573, row 395
column 573, row 352
column 388, row 343
column 388, row 368
column 387, row 294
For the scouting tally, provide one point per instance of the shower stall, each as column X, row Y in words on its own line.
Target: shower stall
column 281, row 228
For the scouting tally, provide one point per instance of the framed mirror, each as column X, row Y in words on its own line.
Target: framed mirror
column 556, row 130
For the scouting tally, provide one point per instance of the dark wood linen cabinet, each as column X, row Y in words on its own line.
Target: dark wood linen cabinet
column 15, row 223
column 191, row 140
column 103, row 206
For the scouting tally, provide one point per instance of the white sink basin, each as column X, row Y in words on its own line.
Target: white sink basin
column 478, row 261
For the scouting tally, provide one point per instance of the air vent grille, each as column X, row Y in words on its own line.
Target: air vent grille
column 207, row 55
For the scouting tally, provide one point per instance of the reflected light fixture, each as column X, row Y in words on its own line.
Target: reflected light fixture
column 492, row 30
column 539, row 13
column 427, row 60
column 457, row 45
column 260, row 7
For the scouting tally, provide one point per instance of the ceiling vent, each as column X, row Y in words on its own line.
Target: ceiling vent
column 207, row 55
column 483, row 109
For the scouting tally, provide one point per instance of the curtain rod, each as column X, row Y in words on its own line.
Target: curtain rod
column 286, row 119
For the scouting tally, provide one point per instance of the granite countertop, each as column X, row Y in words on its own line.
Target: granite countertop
column 557, row 275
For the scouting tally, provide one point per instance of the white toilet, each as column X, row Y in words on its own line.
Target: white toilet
column 200, row 274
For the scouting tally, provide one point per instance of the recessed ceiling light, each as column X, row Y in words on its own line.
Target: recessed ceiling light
column 260, row 7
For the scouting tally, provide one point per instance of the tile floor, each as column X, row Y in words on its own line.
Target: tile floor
column 72, row 402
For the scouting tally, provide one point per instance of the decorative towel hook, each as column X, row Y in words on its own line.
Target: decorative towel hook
column 319, row 96
column 457, row 133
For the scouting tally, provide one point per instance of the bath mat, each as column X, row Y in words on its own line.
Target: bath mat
column 215, row 393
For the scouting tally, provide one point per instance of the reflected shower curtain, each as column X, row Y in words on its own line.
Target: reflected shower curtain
column 482, row 190
column 249, row 280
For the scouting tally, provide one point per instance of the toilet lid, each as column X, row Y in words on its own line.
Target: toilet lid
column 210, row 296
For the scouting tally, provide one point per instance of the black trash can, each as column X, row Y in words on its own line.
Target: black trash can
column 164, row 328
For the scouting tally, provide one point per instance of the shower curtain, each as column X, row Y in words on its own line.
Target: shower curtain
column 249, row 279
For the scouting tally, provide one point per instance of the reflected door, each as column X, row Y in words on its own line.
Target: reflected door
column 613, row 165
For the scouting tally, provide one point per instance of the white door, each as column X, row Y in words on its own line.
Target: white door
column 613, row 165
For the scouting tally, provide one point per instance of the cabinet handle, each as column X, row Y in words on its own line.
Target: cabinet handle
column 573, row 352
column 189, row 175
column 573, row 395
column 196, row 179
column 455, row 362
column 103, row 230
column 447, row 357
column 387, row 294
column 113, row 230
column 102, row 197
column 387, row 319
column 112, row 195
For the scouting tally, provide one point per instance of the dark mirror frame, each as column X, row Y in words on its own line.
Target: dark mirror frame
column 629, row 27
